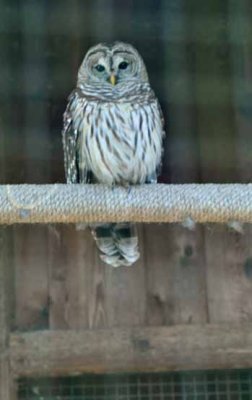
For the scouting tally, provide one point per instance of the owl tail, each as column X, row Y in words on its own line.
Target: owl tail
column 118, row 243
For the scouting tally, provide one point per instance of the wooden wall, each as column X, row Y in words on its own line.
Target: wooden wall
column 199, row 57
column 182, row 277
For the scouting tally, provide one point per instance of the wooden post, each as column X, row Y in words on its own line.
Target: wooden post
column 7, row 387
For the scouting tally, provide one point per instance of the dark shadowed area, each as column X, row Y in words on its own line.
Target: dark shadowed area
column 199, row 60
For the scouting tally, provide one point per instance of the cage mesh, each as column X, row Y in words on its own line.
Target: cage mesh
column 207, row 385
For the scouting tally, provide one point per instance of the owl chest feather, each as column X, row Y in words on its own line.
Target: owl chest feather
column 121, row 142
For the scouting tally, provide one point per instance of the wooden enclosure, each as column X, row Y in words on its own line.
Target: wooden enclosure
column 177, row 309
column 187, row 303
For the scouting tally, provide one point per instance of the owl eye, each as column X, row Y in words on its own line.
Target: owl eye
column 100, row 68
column 123, row 65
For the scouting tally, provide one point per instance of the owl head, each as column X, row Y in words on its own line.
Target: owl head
column 112, row 65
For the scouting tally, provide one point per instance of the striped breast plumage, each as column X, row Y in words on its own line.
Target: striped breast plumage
column 121, row 142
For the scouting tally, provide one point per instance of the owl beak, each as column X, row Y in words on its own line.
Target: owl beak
column 112, row 79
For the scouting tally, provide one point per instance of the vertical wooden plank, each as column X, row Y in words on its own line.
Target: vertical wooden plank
column 77, row 298
column 175, row 275
column 229, row 253
column 181, row 160
column 67, row 39
column 174, row 256
column 240, row 33
column 229, row 263
column 67, row 307
column 77, row 281
column 7, row 294
column 71, row 269
column 95, row 271
column 5, row 94
column 2, row 153
column 4, row 45
column 7, row 385
column 126, row 292
column 36, row 140
column 228, row 287
column 10, row 90
column 213, row 90
column 30, row 256
column 30, row 242
column 57, row 267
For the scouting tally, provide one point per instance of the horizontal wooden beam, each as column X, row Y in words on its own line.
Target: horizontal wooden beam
column 146, row 203
column 55, row 353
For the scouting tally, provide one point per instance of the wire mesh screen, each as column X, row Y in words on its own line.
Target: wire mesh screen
column 199, row 58
column 210, row 385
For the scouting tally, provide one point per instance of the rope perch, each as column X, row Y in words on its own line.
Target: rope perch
column 62, row 203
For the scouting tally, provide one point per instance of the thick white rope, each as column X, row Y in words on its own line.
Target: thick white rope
column 61, row 203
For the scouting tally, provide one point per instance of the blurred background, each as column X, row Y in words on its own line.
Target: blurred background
column 199, row 58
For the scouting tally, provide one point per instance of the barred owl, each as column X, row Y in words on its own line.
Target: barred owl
column 112, row 134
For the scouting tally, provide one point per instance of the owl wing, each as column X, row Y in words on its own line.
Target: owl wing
column 74, row 172
column 152, row 178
